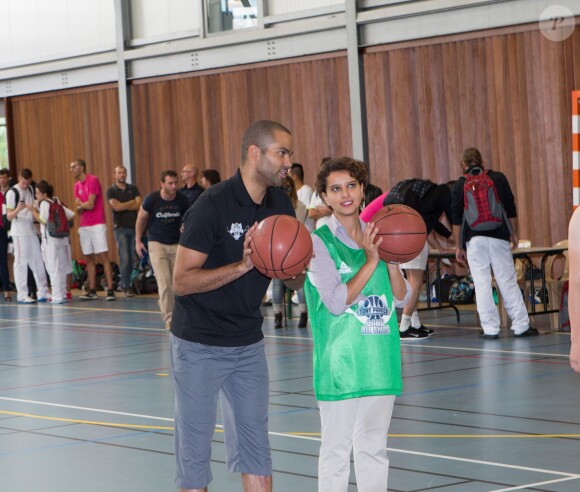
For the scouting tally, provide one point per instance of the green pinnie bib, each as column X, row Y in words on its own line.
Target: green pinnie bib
column 356, row 353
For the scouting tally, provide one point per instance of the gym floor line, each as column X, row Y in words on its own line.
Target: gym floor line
column 86, row 402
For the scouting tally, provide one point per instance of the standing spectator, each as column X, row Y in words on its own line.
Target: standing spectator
column 55, row 250
column 92, row 228
column 125, row 200
column 484, row 250
column 318, row 211
column 162, row 213
column 191, row 188
column 209, row 177
column 278, row 288
column 217, row 344
column 574, row 292
column 5, row 225
column 303, row 190
column 27, row 253
column 351, row 296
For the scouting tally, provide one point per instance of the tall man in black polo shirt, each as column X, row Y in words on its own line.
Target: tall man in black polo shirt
column 162, row 212
column 217, row 344
column 125, row 200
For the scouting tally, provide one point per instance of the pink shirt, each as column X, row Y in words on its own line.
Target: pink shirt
column 90, row 186
column 372, row 208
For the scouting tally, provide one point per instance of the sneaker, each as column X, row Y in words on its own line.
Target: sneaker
column 488, row 337
column 130, row 292
column 43, row 299
column 303, row 320
column 429, row 331
column 278, row 320
column 58, row 301
column 69, row 296
column 530, row 332
column 27, row 300
column 91, row 295
column 111, row 295
column 413, row 334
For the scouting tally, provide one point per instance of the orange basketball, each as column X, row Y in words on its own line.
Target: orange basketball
column 403, row 231
column 281, row 247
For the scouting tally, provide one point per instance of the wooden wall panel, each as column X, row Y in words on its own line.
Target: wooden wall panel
column 201, row 119
column 507, row 94
column 52, row 129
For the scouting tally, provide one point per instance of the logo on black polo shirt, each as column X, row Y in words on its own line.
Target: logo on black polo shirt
column 237, row 230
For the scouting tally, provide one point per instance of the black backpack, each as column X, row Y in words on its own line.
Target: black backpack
column 409, row 192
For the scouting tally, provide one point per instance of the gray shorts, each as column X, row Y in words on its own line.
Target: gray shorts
column 240, row 376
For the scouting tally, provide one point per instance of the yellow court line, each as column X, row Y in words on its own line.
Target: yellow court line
column 89, row 422
column 218, row 429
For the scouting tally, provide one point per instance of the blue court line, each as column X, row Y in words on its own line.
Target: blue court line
column 486, row 383
column 49, row 387
column 69, row 444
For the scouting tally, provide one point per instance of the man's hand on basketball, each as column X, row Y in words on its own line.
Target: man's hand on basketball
column 246, row 260
column 370, row 243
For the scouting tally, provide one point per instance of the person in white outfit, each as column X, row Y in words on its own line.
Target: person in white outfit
column 487, row 250
column 55, row 250
column 19, row 206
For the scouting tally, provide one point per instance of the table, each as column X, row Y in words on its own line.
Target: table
column 523, row 254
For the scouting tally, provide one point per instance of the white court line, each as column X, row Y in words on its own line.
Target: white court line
column 444, row 347
column 530, row 485
column 87, row 409
column 569, row 476
column 35, row 321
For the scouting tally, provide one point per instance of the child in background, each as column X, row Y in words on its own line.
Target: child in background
column 55, row 250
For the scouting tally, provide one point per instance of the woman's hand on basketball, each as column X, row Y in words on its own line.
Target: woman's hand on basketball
column 370, row 242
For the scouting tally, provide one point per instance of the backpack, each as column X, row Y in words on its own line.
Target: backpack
column 483, row 210
column 409, row 192
column 57, row 223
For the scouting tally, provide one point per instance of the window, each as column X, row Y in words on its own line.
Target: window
column 3, row 144
column 227, row 15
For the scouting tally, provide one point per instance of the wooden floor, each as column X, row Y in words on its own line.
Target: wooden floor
column 86, row 404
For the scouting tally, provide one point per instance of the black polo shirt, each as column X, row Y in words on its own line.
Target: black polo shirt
column 215, row 225
column 192, row 193
column 127, row 218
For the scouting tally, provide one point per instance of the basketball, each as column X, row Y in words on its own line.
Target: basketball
column 281, row 247
column 403, row 231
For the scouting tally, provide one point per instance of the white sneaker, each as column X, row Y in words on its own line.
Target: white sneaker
column 27, row 300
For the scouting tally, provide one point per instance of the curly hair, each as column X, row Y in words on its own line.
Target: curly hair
column 357, row 169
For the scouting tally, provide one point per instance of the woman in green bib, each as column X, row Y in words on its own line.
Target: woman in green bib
column 351, row 296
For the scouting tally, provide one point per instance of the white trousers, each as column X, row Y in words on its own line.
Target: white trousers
column 359, row 425
column 56, row 254
column 483, row 255
column 27, row 254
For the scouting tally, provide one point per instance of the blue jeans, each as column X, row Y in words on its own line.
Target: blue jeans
column 127, row 256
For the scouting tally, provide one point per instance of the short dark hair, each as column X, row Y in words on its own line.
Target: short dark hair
column 356, row 169
column 168, row 172
column 44, row 187
column 25, row 173
column 472, row 157
column 80, row 162
column 211, row 175
column 4, row 171
column 261, row 133
column 297, row 169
